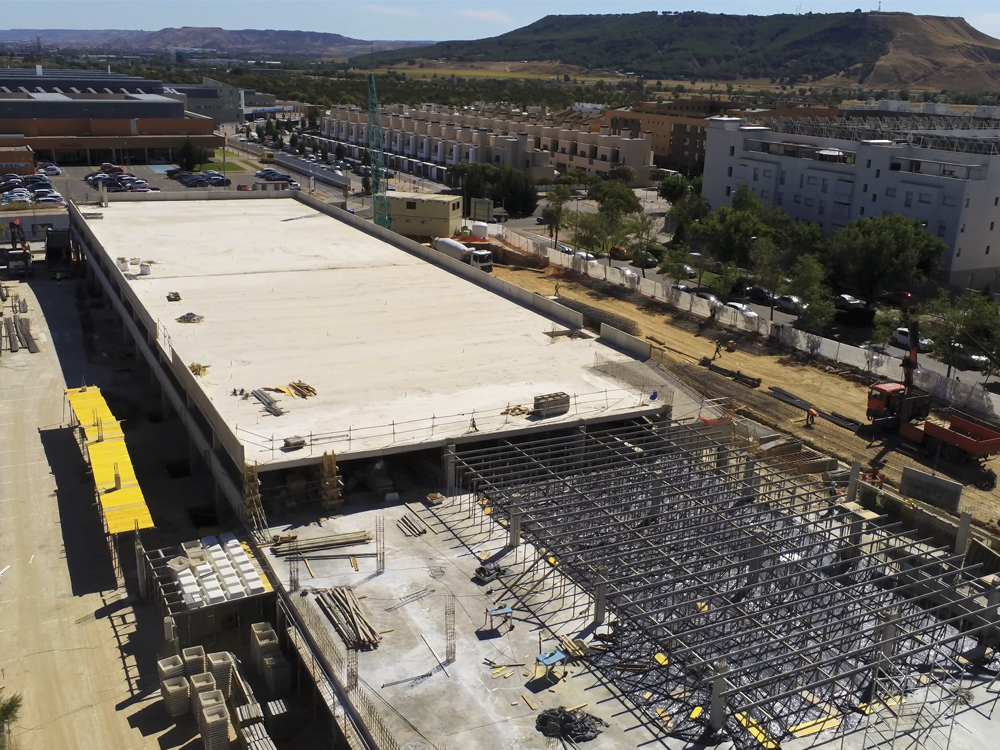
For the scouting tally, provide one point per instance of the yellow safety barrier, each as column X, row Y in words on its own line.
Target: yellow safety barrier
column 122, row 502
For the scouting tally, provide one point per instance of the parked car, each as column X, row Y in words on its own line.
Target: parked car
column 745, row 309
column 50, row 169
column 584, row 256
column 902, row 339
column 709, row 297
column 243, row 187
column 790, row 304
column 683, row 288
column 963, row 359
column 847, row 302
column 642, row 259
column 761, row 295
column 898, row 298
column 565, row 249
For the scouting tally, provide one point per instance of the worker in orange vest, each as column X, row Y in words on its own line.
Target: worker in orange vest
column 811, row 417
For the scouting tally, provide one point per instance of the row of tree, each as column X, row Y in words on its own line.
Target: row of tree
column 866, row 259
column 511, row 188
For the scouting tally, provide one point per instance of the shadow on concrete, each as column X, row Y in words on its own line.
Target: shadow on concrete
column 58, row 303
column 86, row 548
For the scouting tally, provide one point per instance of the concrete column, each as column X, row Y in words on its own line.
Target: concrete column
column 448, row 469
column 964, row 534
column 889, row 631
column 514, row 528
column 140, row 569
column 852, row 485
column 600, row 600
column 750, row 475
column 717, row 713
column 722, row 457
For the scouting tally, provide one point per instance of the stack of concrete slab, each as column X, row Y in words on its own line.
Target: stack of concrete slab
column 278, row 720
column 255, row 737
column 263, row 643
column 176, row 694
column 221, row 664
column 215, row 727
column 194, row 660
column 212, row 571
column 249, row 575
column 278, row 674
column 203, row 701
column 248, row 714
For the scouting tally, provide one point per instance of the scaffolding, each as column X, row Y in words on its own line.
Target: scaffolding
column 731, row 597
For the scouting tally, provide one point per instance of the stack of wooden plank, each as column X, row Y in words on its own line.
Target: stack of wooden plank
column 343, row 609
column 411, row 525
column 302, row 390
column 319, row 544
column 574, row 648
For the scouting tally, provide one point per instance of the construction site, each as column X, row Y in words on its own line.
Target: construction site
column 420, row 506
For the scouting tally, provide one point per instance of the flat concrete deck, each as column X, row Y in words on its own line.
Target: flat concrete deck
column 399, row 350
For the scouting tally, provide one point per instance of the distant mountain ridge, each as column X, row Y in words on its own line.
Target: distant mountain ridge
column 875, row 50
column 268, row 42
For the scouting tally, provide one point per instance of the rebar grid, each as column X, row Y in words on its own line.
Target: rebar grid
column 708, row 554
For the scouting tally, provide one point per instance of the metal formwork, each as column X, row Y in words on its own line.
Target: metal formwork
column 733, row 598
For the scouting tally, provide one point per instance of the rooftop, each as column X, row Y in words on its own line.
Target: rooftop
column 399, row 350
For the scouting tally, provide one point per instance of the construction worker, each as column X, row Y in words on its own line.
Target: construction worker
column 811, row 417
column 718, row 349
column 557, row 288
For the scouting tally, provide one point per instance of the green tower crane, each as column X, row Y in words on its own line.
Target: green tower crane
column 380, row 199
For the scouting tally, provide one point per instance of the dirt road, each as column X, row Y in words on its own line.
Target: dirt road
column 67, row 632
column 683, row 343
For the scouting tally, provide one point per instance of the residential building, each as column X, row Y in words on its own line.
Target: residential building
column 834, row 173
column 425, row 141
column 422, row 215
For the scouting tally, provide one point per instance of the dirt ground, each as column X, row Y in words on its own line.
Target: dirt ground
column 684, row 341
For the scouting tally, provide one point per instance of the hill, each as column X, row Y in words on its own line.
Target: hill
column 269, row 42
column 875, row 50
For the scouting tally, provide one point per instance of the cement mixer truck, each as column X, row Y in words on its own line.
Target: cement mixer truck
column 481, row 259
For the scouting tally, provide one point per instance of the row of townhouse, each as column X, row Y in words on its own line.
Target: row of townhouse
column 835, row 173
column 427, row 140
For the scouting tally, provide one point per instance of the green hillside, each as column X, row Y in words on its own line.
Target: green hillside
column 679, row 45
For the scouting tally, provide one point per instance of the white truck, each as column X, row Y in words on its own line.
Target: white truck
column 481, row 259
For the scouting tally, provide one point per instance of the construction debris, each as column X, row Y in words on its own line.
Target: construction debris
column 284, row 548
column 410, row 598
column 575, row 726
column 516, row 411
column 190, row 318
column 197, row 369
column 270, row 405
column 342, row 607
column 173, row 297
column 411, row 525
column 302, row 390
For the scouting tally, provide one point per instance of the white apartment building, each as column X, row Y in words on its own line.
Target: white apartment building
column 834, row 173
column 426, row 141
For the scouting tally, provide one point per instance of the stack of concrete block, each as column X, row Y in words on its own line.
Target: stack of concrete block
column 172, row 666
column 194, row 660
column 278, row 720
column 176, row 694
column 221, row 665
column 255, row 737
column 263, row 643
column 249, row 575
column 278, row 674
column 248, row 714
column 201, row 684
column 205, row 700
column 223, row 567
column 215, row 727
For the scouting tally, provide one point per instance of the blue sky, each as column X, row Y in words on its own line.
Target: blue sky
column 407, row 19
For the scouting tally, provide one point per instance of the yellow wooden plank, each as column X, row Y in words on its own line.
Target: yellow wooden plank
column 662, row 660
column 697, row 712
column 757, row 732
column 702, row 606
column 815, row 727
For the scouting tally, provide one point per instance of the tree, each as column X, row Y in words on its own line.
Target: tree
column 366, row 156
column 676, row 261
column 744, row 199
column 554, row 213
column 869, row 256
column 884, row 326
column 366, row 185
column 614, row 200
column 475, row 179
column 515, row 190
column 639, row 232
column 340, row 151
column 324, row 154
column 622, row 173
column 807, row 279
column 956, row 326
column 190, row 157
column 766, row 261
column 10, row 710
column 293, row 140
column 727, row 235
column 591, row 231
column 673, row 187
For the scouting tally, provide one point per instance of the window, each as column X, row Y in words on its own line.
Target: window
column 810, row 201
column 962, row 230
column 869, row 164
column 958, row 253
column 411, row 205
column 861, row 211
column 798, row 199
column 894, row 167
column 877, row 173
column 942, row 227
column 949, row 200
column 729, row 190
column 822, row 207
column 765, row 194
column 811, row 181
column 926, row 198
column 966, row 202
column 996, row 201
column 781, row 180
column 890, row 192
column 756, row 174
column 456, row 205
column 908, row 201
column 874, row 196
column 824, row 186
column 864, row 188
column 732, row 150
column 729, row 171
column 768, row 173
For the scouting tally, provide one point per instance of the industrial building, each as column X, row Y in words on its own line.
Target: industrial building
column 391, row 424
column 425, row 141
column 425, row 215
column 223, row 102
column 945, row 175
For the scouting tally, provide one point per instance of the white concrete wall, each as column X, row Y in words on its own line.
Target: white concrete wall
column 631, row 345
